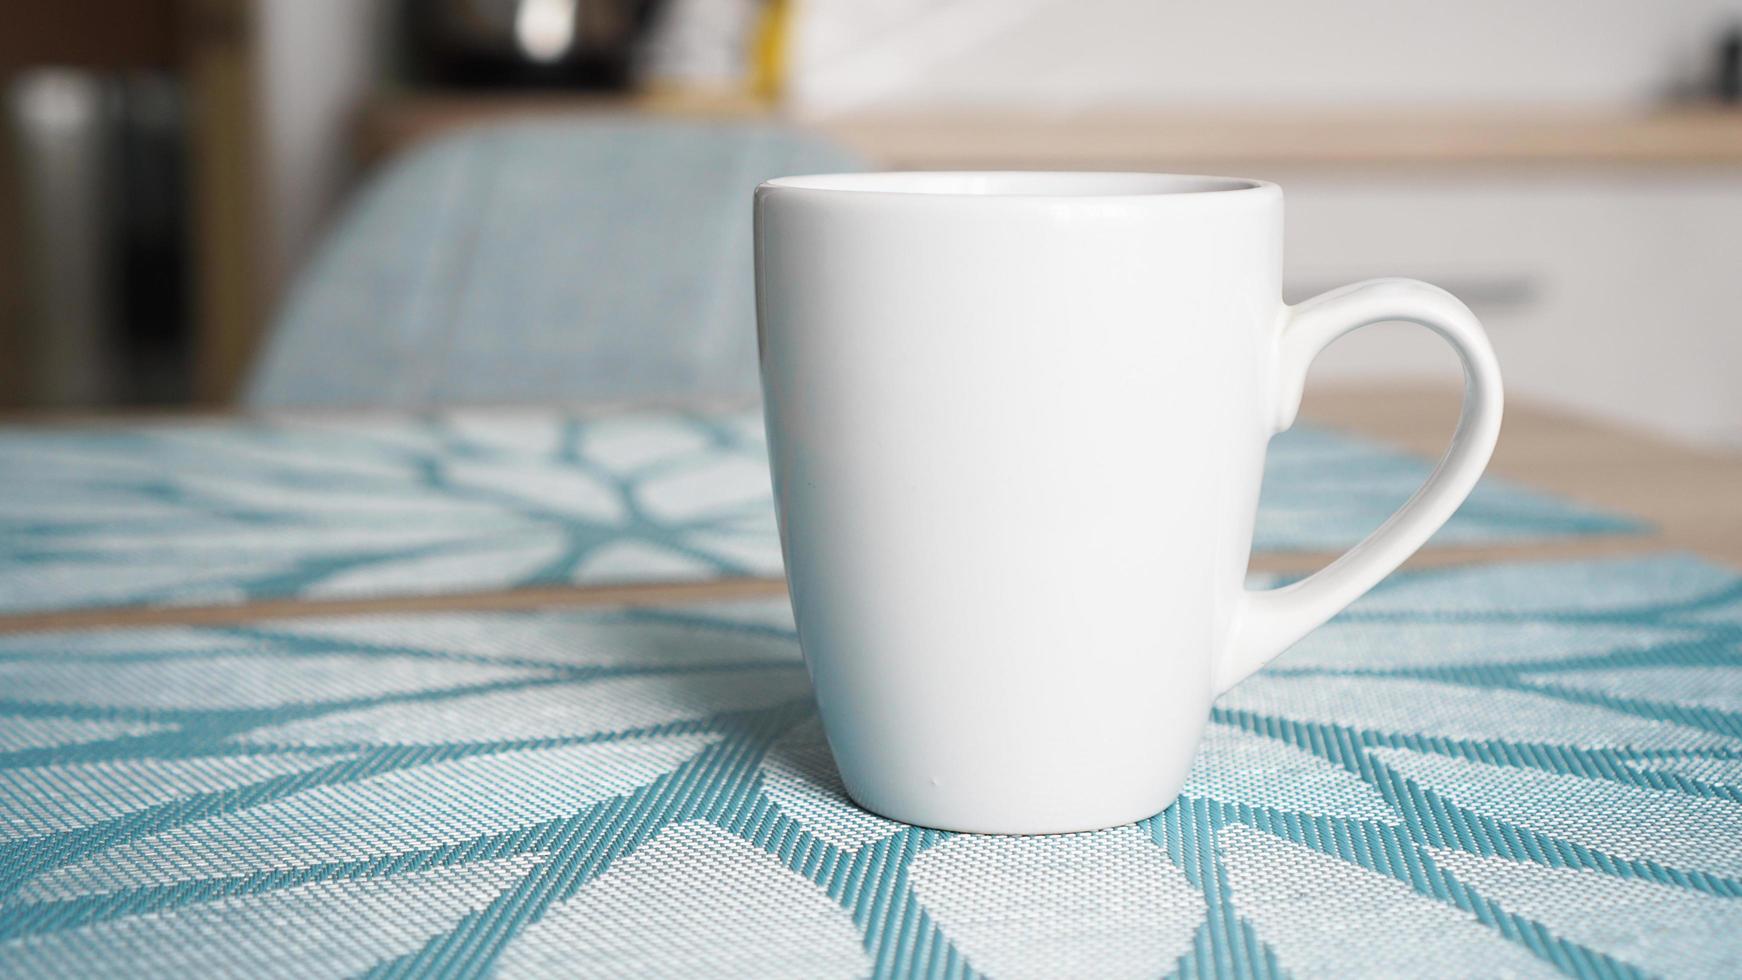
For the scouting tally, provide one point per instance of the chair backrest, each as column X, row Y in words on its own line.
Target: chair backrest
column 539, row 262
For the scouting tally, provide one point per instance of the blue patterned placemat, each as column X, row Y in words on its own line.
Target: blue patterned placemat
column 481, row 501
column 1506, row 770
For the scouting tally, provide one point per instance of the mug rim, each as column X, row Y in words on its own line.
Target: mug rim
column 1053, row 185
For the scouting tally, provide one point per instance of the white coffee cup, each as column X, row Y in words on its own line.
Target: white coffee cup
column 1017, row 425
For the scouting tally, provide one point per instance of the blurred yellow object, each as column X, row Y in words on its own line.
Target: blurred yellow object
column 768, row 54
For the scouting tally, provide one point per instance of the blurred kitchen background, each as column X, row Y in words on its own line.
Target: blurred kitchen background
column 1571, row 168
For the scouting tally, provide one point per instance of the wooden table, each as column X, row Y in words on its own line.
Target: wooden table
column 1225, row 138
column 1693, row 501
column 1692, row 498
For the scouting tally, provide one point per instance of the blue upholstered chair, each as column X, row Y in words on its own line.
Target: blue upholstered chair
column 538, row 262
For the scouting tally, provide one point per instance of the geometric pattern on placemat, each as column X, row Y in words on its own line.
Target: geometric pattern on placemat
column 349, row 507
column 1505, row 770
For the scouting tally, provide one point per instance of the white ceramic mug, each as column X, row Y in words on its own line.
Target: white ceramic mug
column 1017, row 425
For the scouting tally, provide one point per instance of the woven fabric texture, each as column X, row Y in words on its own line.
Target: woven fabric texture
column 323, row 507
column 1514, row 770
column 538, row 261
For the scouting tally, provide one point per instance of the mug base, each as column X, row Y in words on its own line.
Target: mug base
column 964, row 820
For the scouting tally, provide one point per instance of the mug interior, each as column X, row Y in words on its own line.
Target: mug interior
column 1017, row 183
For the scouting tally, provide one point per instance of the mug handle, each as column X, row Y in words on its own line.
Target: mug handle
column 1267, row 622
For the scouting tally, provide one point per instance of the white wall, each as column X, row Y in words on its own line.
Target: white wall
column 1070, row 53
column 318, row 61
